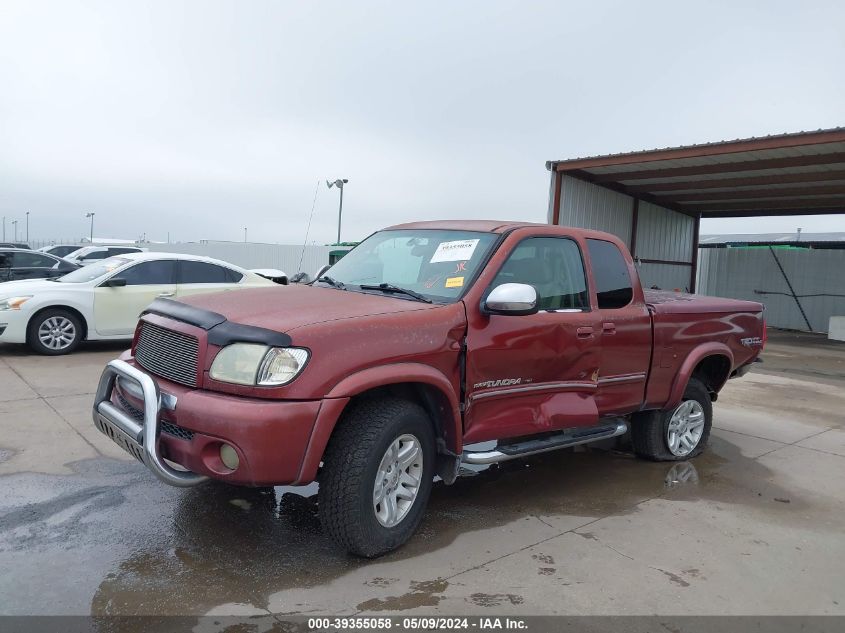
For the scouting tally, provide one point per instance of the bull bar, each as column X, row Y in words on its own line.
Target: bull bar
column 140, row 440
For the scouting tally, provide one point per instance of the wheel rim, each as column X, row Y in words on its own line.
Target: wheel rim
column 57, row 333
column 398, row 480
column 686, row 426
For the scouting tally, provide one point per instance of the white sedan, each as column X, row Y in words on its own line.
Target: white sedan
column 104, row 300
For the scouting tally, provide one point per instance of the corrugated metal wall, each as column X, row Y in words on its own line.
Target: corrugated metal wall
column 251, row 255
column 666, row 235
column 738, row 272
column 664, row 276
column 662, row 234
column 589, row 206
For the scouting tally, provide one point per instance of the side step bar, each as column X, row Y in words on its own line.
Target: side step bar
column 531, row 447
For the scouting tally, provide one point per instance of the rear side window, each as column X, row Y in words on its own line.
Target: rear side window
column 32, row 260
column 203, row 273
column 610, row 272
column 122, row 250
column 233, row 275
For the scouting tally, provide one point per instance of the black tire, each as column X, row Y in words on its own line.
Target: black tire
column 37, row 345
column 649, row 428
column 348, row 476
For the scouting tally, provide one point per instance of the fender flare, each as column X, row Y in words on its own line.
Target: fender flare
column 692, row 360
column 383, row 375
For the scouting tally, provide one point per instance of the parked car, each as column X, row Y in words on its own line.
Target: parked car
column 104, row 300
column 89, row 254
column 20, row 245
column 422, row 342
column 16, row 264
column 273, row 274
column 60, row 250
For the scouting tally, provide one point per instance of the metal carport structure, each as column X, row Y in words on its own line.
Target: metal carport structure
column 655, row 199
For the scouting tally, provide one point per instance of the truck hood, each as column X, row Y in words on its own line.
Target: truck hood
column 285, row 308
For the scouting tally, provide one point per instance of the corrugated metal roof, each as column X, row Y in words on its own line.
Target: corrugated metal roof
column 782, row 174
column 724, row 142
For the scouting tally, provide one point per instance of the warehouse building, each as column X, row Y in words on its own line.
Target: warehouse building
column 655, row 199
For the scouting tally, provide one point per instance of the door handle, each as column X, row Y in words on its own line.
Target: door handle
column 166, row 294
column 608, row 328
column 584, row 332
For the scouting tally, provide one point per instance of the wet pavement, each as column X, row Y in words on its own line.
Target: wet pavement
column 753, row 526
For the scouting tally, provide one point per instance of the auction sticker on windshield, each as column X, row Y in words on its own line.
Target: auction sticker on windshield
column 454, row 282
column 454, row 251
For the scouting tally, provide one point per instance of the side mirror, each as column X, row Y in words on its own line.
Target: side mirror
column 511, row 299
column 114, row 282
column 322, row 271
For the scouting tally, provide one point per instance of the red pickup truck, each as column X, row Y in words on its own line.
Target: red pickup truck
column 424, row 341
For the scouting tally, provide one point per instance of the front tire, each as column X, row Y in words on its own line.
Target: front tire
column 54, row 332
column 377, row 476
column 675, row 435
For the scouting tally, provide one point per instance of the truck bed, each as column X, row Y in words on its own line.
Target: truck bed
column 731, row 328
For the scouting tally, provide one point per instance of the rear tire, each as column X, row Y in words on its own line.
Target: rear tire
column 54, row 332
column 675, row 435
column 379, row 448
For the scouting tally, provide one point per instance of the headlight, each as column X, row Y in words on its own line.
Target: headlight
column 14, row 303
column 252, row 364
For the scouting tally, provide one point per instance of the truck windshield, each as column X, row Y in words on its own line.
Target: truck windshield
column 437, row 264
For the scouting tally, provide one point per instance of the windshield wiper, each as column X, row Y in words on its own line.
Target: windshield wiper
column 334, row 283
column 396, row 289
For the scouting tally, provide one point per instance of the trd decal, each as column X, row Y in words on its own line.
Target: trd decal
column 751, row 341
column 502, row 382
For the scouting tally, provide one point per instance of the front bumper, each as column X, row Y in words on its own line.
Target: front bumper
column 161, row 423
column 13, row 326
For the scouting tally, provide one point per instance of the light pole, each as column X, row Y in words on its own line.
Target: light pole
column 4, row 228
column 90, row 214
column 15, row 224
column 244, row 235
column 27, row 227
column 339, row 184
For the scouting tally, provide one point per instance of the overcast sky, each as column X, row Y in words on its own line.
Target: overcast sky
column 200, row 118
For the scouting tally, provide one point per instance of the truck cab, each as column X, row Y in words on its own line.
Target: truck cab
column 422, row 342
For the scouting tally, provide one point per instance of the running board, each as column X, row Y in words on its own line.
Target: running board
column 553, row 443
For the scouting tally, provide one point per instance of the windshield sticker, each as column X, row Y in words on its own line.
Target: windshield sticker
column 454, row 282
column 461, row 267
column 456, row 251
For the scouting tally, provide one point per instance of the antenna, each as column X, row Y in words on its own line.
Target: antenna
column 308, row 230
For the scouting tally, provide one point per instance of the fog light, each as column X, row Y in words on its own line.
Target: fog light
column 229, row 457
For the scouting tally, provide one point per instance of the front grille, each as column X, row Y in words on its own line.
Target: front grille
column 166, row 427
column 175, row 431
column 171, row 355
column 128, row 408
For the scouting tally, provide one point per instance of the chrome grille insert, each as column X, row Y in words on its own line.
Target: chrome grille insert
column 169, row 354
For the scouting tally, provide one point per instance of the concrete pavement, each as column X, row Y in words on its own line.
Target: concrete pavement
column 753, row 526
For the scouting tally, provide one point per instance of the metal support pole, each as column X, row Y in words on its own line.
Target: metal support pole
column 27, row 227
column 339, row 214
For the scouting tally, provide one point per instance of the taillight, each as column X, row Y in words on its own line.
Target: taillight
column 765, row 336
